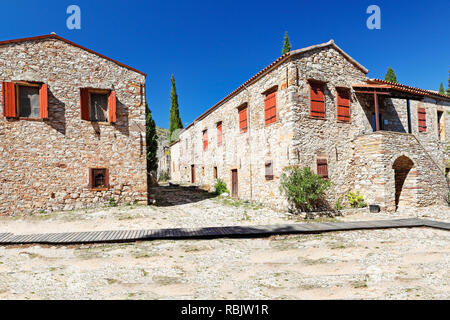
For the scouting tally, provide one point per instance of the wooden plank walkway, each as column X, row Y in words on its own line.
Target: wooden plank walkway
column 212, row 232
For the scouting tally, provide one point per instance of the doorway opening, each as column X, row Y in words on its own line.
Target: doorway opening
column 402, row 166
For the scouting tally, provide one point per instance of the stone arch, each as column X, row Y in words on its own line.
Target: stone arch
column 404, row 180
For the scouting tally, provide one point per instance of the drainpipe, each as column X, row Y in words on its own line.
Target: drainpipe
column 250, row 139
column 408, row 108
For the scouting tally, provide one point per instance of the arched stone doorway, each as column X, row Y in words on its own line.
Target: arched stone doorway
column 404, row 182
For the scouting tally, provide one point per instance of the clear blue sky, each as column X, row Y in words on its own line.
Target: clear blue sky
column 212, row 47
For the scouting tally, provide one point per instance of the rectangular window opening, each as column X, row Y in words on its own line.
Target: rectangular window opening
column 322, row 168
column 343, row 104
column 99, row 178
column 28, row 102
column 98, row 107
column 243, row 126
column 269, row 170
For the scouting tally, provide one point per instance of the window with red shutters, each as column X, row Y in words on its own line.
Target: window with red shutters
column 205, row 139
column 219, row 133
column 343, row 104
column 422, row 118
column 322, row 168
column 270, row 108
column 98, row 105
column 26, row 100
column 317, row 100
column 243, row 119
column 9, row 99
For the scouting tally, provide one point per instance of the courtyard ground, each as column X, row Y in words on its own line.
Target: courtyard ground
column 373, row 264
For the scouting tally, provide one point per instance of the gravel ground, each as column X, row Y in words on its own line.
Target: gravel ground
column 188, row 208
column 375, row 264
column 378, row 264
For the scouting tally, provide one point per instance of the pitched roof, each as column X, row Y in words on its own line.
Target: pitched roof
column 271, row 66
column 54, row 36
column 378, row 83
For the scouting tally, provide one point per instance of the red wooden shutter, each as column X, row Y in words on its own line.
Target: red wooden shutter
column 243, row 119
column 219, row 134
column 317, row 100
column 43, row 97
column 9, row 99
column 270, row 108
column 84, row 103
column 422, row 117
column 343, row 105
column 112, row 106
column 205, row 140
column 107, row 178
column 322, row 168
column 91, row 178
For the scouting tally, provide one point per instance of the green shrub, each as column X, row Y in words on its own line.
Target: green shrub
column 303, row 188
column 356, row 200
column 164, row 176
column 338, row 204
column 112, row 202
column 220, row 187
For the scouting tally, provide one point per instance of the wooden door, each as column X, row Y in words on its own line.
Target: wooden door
column 193, row 173
column 234, row 183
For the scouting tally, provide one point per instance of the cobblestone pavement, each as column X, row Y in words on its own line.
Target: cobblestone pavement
column 375, row 264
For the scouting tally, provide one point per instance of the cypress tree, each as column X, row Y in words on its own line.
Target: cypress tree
column 174, row 117
column 441, row 89
column 286, row 44
column 390, row 76
column 151, row 139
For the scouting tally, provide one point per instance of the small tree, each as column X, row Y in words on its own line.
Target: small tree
column 151, row 140
column 286, row 44
column 441, row 89
column 390, row 76
column 174, row 117
column 303, row 188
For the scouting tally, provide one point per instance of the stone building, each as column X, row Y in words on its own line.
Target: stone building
column 316, row 107
column 72, row 127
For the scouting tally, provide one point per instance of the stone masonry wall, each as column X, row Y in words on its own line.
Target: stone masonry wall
column 298, row 139
column 374, row 162
column 45, row 164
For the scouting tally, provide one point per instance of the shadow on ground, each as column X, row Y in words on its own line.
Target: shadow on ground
column 172, row 195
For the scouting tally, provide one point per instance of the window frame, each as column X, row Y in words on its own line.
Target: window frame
column 99, row 92
column 422, row 128
column 317, row 84
column 268, row 96
column 340, row 105
column 111, row 111
column 270, row 176
column 92, row 179
column 219, row 133
column 205, row 139
column 320, row 161
column 20, row 85
column 241, row 109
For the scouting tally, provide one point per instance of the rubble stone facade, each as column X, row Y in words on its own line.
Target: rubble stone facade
column 357, row 158
column 45, row 163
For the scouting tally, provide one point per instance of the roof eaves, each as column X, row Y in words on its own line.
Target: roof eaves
column 405, row 88
column 54, row 36
column 271, row 66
